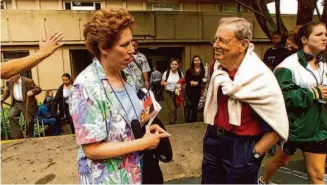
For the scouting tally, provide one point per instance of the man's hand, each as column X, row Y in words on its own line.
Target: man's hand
column 146, row 84
column 323, row 91
column 268, row 140
column 30, row 93
column 164, row 83
column 51, row 45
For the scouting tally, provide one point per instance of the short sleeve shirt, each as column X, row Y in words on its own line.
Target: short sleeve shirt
column 99, row 117
column 139, row 66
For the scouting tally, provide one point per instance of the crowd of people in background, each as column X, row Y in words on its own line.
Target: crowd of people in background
column 281, row 101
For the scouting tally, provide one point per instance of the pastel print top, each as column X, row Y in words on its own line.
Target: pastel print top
column 99, row 117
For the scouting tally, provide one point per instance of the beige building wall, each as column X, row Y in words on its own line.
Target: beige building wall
column 51, row 5
column 135, row 5
column 26, row 4
column 114, row 3
column 190, row 7
column 207, row 7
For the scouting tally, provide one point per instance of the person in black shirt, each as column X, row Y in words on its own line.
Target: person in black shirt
column 277, row 53
column 193, row 81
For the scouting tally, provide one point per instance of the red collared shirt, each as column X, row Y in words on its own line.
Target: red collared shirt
column 250, row 121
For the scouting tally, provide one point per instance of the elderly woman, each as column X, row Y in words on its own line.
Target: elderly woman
column 302, row 78
column 105, row 107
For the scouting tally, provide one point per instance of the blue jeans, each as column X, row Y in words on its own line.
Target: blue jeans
column 51, row 122
column 228, row 159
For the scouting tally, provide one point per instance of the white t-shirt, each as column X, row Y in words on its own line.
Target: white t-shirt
column 66, row 93
column 18, row 92
column 172, row 80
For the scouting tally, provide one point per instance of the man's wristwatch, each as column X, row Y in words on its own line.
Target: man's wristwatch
column 255, row 154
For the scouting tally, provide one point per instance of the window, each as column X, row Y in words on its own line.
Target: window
column 3, row 4
column 162, row 7
column 76, row 5
column 9, row 55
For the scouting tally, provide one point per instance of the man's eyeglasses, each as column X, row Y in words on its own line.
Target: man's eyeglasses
column 220, row 40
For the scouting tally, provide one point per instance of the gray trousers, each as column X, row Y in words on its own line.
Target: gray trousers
column 170, row 102
column 16, row 131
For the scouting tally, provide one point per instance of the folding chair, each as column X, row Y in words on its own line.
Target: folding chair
column 38, row 121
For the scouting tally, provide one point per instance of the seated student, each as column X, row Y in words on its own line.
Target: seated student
column 44, row 115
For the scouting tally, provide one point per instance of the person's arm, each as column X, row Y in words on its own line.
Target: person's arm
column 294, row 95
column 268, row 140
column 163, row 81
column 105, row 150
column 16, row 66
column 5, row 95
column 146, row 79
column 145, row 69
column 34, row 88
column 151, row 78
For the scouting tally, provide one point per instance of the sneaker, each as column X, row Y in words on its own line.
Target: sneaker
column 262, row 183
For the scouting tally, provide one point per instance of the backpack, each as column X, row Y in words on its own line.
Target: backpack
column 179, row 74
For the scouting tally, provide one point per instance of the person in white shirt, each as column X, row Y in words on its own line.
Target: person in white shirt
column 22, row 91
column 169, row 81
column 62, row 100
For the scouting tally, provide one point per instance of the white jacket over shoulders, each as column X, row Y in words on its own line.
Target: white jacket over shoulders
column 254, row 84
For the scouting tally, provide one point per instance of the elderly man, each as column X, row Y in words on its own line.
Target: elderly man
column 22, row 91
column 244, row 108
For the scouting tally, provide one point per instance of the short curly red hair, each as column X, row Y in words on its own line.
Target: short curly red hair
column 102, row 31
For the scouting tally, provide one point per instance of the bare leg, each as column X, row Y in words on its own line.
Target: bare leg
column 315, row 164
column 280, row 159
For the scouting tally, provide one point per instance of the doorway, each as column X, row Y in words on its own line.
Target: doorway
column 161, row 56
column 80, row 59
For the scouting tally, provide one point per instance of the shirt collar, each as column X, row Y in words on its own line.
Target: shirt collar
column 19, row 81
column 303, row 61
column 102, row 75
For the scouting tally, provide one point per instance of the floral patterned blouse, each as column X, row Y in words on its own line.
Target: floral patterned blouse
column 99, row 117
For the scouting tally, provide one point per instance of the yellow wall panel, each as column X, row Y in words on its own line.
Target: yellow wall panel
column 114, row 3
column 188, row 26
column 4, row 30
column 50, row 71
column 18, row 29
column 164, row 26
column 71, row 18
column 135, row 5
column 26, row 5
column 207, row 7
column 190, row 7
column 144, row 23
column 49, row 4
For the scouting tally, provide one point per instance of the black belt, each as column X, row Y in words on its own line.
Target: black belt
column 171, row 92
column 18, row 101
column 222, row 132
